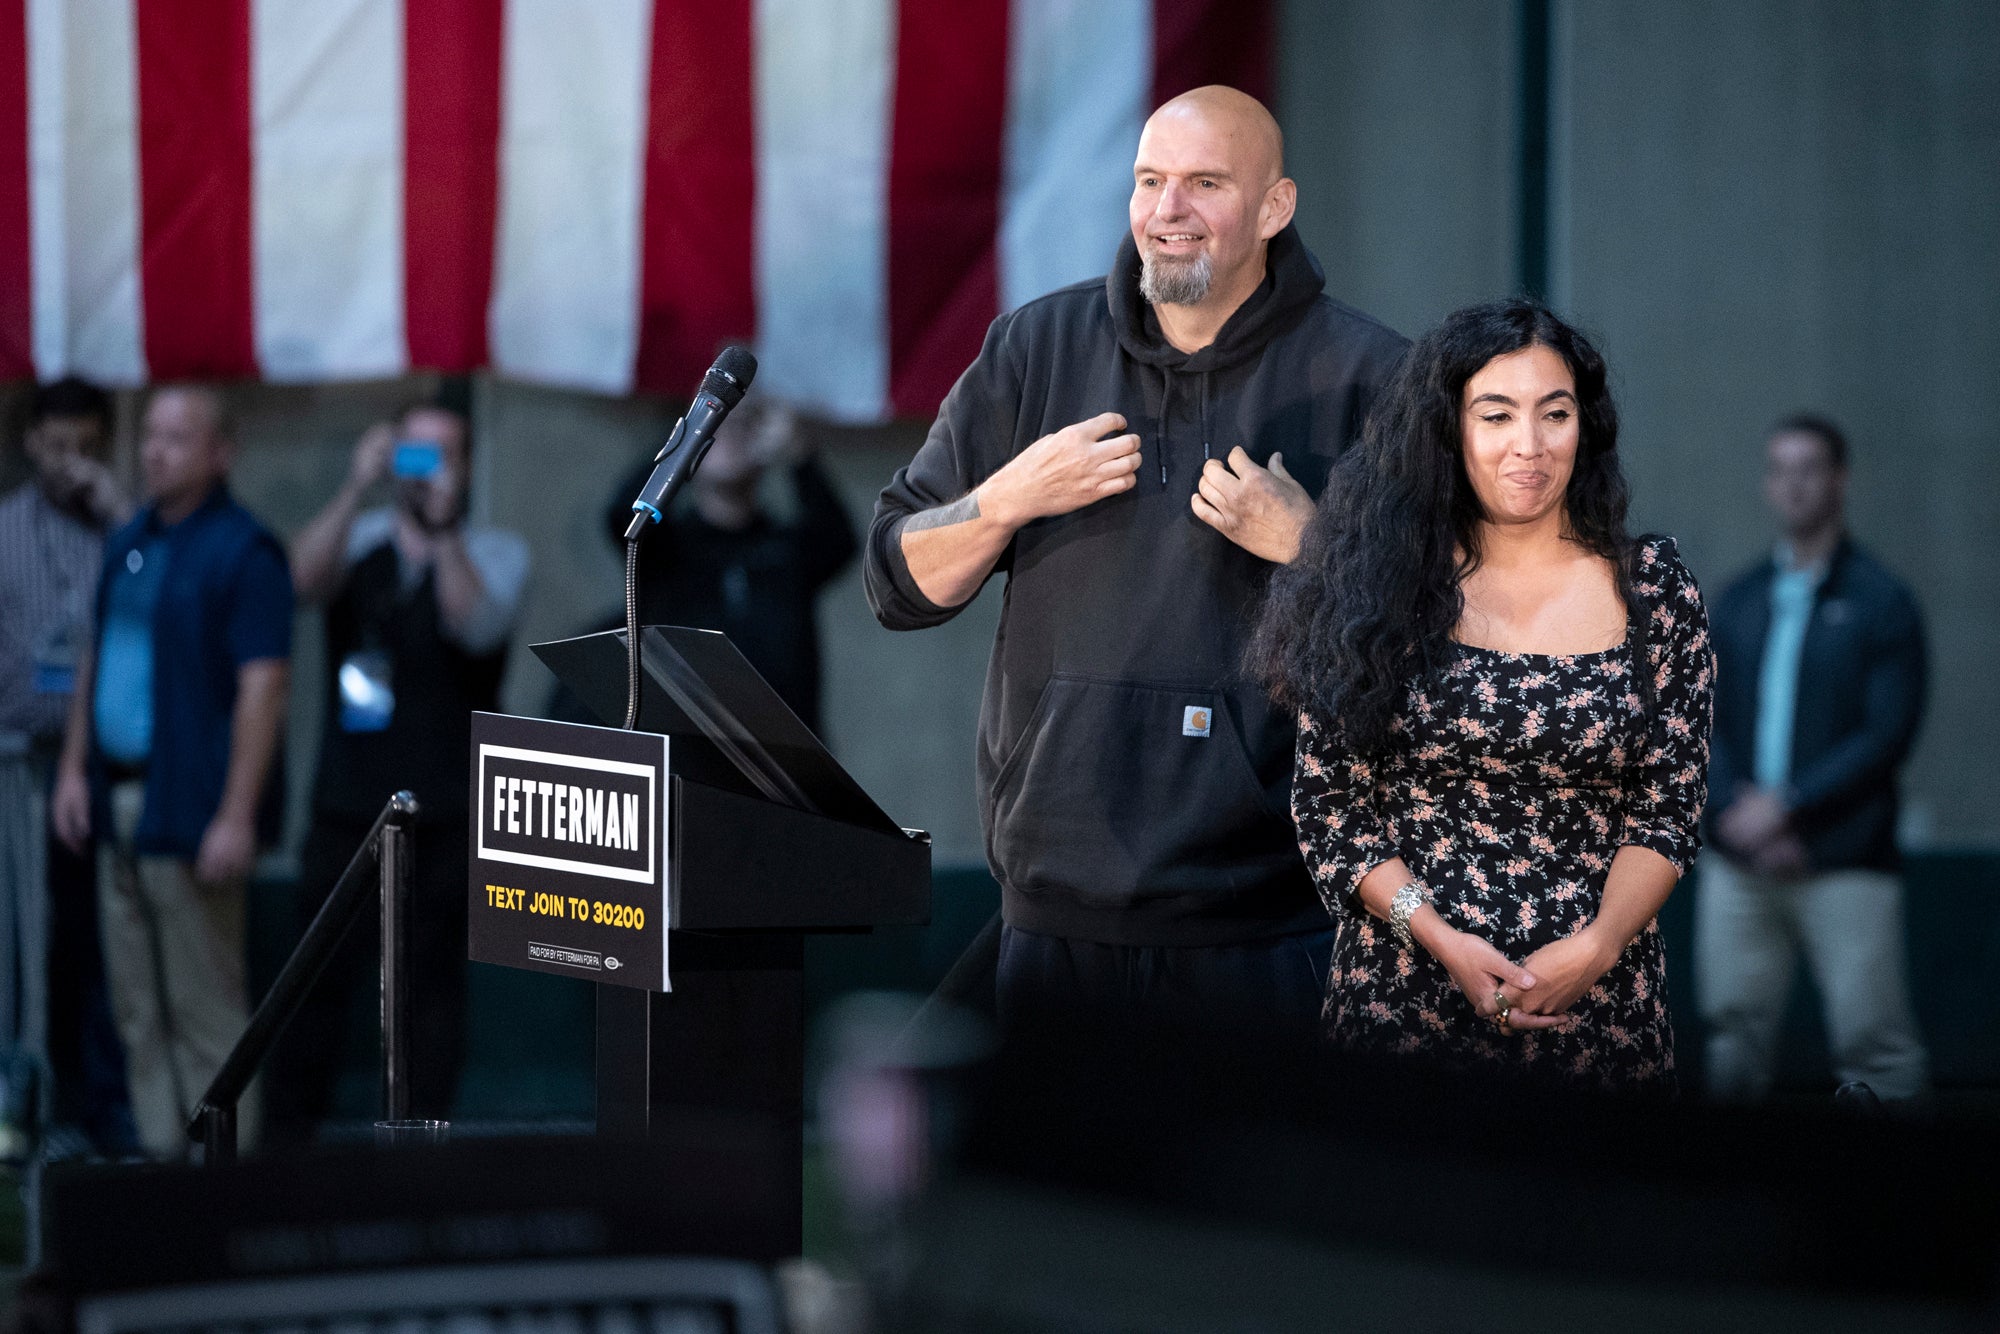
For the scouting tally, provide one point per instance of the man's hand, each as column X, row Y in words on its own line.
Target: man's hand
column 1077, row 466
column 370, row 463
column 1782, row 858
column 69, row 809
column 229, row 844
column 1752, row 820
column 951, row 548
column 442, row 499
column 778, row 439
column 1262, row 510
column 80, row 482
column 228, row 850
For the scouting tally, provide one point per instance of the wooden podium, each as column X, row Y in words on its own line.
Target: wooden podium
column 768, row 839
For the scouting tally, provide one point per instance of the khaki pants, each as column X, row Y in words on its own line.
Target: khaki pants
column 1748, row 933
column 174, row 956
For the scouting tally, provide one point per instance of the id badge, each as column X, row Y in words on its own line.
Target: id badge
column 367, row 696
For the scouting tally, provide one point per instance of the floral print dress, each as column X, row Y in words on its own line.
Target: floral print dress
column 1508, row 788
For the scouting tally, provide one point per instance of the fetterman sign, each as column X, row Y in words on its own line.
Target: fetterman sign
column 569, row 850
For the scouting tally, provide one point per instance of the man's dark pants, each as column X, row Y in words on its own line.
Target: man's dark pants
column 1267, row 993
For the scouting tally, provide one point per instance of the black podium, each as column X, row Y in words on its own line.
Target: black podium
column 769, row 839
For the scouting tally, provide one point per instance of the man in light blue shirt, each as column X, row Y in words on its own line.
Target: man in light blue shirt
column 1793, row 589
column 122, row 701
column 1820, row 687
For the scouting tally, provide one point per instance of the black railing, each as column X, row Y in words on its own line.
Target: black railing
column 387, row 849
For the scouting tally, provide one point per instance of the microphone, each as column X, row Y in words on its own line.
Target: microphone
column 721, row 389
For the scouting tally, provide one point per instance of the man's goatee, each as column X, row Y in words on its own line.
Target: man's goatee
column 1175, row 282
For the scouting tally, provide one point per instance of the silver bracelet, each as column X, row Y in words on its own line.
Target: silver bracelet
column 1412, row 896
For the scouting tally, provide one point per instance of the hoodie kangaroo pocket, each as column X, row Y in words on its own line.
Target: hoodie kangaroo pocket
column 1119, row 792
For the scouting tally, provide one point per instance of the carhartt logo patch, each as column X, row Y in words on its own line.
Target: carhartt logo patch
column 1195, row 721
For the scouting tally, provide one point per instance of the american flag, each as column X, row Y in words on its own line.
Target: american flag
column 589, row 193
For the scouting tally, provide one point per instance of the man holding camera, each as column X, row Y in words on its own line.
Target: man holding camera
column 419, row 607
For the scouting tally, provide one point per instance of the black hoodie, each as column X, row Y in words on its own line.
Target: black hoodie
column 1134, row 786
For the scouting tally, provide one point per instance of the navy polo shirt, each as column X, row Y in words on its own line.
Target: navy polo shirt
column 225, row 600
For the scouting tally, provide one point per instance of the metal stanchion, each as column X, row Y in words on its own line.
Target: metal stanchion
column 397, row 1128
column 394, row 859
column 212, row 1124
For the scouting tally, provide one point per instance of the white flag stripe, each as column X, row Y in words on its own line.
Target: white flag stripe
column 572, row 138
column 83, row 190
column 823, row 104
column 1079, row 77
column 327, row 167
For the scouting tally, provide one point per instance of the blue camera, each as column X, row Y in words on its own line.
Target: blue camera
column 417, row 459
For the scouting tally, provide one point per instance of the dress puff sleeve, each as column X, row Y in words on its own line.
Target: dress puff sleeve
column 1341, row 834
column 1666, row 784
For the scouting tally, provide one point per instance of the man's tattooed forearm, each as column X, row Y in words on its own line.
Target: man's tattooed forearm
column 963, row 510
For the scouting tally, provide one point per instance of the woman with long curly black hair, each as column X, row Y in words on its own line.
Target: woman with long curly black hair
column 1504, row 714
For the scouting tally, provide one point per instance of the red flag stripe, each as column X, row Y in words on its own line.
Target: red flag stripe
column 451, row 144
column 194, row 187
column 1198, row 42
column 17, row 334
column 696, row 243
column 947, row 133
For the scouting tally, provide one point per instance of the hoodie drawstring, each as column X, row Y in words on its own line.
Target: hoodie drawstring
column 1204, row 417
column 1166, row 413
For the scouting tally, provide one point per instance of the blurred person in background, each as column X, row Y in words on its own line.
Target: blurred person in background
column 419, row 606
column 1504, row 705
column 1823, row 683
column 171, row 757
column 1136, row 454
column 723, row 562
column 52, row 531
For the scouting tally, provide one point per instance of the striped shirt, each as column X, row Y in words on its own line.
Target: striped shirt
column 48, row 573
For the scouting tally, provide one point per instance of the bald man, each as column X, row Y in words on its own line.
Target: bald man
column 1135, row 453
column 170, row 758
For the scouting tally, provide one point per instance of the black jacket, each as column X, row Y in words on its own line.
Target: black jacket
column 758, row 584
column 1134, row 787
column 1861, row 695
column 437, row 687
